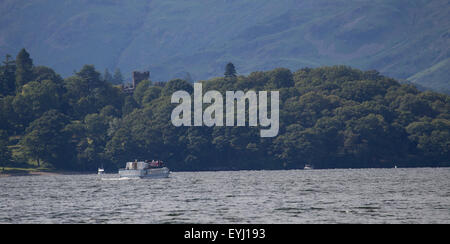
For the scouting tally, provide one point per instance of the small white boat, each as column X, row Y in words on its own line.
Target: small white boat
column 100, row 171
column 308, row 167
column 143, row 170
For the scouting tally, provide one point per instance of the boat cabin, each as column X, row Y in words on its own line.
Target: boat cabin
column 144, row 165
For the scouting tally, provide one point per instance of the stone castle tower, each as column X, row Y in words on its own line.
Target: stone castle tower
column 140, row 76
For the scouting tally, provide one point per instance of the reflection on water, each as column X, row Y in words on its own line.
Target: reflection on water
column 316, row 196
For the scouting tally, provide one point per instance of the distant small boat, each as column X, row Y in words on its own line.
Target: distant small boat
column 144, row 170
column 308, row 167
column 100, row 171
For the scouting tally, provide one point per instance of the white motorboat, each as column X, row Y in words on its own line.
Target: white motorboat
column 308, row 167
column 143, row 170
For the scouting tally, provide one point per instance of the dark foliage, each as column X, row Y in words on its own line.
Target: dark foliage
column 331, row 117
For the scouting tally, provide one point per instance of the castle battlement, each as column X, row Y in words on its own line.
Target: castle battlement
column 137, row 77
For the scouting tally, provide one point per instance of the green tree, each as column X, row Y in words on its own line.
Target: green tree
column 91, row 147
column 8, row 118
column 8, row 77
column 87, row 93
column 91, row 76
column 177, row 85
column 230, row 70
column 280, row 77
column 110, row 111
column 41, row 73
column 76, row 88
column 117, row 77
column 45, row 140
column 35, row 99
column 24, row 68
column 432, row 138
column 140, row 90
column 129, row 105
column 5, row 154
column 121, row 147
column 151, row 94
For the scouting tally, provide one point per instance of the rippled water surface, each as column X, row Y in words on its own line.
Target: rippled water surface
column 296, row 196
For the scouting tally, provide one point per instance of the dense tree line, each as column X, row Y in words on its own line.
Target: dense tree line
column 331, row 117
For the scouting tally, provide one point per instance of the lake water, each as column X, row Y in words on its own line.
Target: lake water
column 317, row 196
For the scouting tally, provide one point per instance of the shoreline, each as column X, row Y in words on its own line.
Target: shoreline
column 35, row 172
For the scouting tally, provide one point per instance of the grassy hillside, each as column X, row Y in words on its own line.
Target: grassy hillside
column 403, row 39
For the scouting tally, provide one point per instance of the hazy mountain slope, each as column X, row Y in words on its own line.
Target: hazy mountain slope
column 401, row 38
column 434, row 75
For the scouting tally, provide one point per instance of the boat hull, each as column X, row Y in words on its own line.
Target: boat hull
column 145, row 173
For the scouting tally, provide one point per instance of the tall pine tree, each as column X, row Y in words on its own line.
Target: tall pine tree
column 230, row 70
column 8, row 77
column 24, row 68
column 117, row 78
